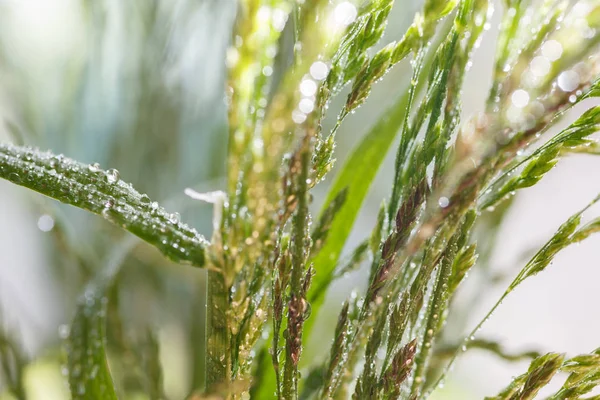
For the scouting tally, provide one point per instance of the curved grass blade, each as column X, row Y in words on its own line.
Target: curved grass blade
column 102, row 192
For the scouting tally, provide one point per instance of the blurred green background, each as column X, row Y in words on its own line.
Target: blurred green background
column 139, row 86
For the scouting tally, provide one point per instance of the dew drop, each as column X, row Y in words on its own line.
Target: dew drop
column 63, row 331
column 107, row 207
column 540, row 66
column 319, row 70
column 344, row 14
column 520, row 98
column 95, row 167
column 279, row 18
column 45, row 223
column 174, row 218
column 112, row 175
column 308, row 87
column 568, row 81
column 298, row 116
column 267, row 70
column 552, row 50
column 443, row 202
column 232, row 56
column 306, row 106
column 144, row 199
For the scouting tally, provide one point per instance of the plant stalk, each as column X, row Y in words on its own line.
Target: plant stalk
column 217, row 355
column 297, row 302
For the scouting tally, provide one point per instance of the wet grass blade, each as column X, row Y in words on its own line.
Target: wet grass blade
column 89, row 375
column 102, row 192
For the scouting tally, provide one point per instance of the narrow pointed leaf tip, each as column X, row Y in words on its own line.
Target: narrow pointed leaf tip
column 104, row 193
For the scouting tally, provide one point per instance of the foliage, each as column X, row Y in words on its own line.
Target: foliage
column 269, row 265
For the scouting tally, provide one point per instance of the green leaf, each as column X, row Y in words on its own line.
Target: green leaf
column 102, row 192
column 89, row 374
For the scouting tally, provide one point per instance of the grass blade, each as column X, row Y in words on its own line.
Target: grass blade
column 89, row 375
column 102, row 192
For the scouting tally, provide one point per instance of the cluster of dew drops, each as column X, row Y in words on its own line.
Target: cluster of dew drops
column 152, row 216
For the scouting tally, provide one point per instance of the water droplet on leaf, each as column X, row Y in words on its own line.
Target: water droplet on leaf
column 63, row 331
column 112, row 175
column 174, row 218
column 95, row 167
